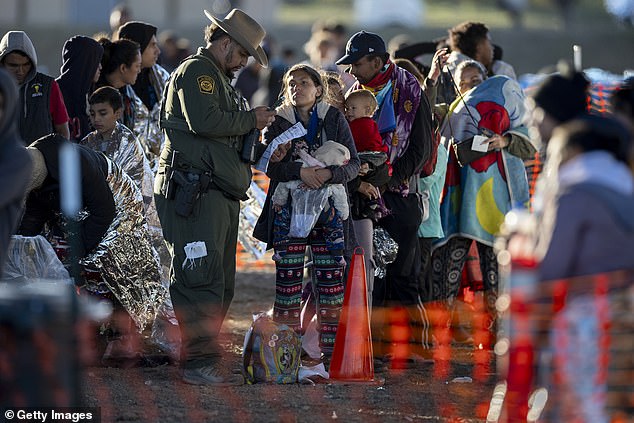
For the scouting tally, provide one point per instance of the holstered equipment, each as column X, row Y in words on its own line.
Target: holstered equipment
column 184, row 184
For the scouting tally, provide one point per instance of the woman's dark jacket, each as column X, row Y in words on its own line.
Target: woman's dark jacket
column 334, row 128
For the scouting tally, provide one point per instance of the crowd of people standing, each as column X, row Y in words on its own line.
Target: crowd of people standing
column 435, row 155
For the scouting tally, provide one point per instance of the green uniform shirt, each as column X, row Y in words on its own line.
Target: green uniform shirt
column 204, row 120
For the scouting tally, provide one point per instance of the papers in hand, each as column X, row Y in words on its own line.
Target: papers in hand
column 480, row 144
column 293, row 132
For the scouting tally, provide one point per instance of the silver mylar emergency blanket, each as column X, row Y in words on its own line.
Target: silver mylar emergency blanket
column 125, row 258
column 250, row 210
column 385, row 250
column 146, row 121
column 126, row 151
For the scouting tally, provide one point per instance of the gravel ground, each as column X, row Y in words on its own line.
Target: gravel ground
column 156, row 394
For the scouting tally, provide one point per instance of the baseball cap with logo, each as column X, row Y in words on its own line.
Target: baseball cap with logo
column 361, row 44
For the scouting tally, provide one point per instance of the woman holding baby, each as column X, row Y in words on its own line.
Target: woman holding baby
column 303, row 91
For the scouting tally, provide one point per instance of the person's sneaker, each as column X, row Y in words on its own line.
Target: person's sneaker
column 210, row 375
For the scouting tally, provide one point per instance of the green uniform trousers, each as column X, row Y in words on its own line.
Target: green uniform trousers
column 202, row 288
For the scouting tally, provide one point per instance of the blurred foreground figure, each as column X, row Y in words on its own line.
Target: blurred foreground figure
column 623, row 106
column 15, row 166
column 590, row 225
column 591, row 217
column 559, row 98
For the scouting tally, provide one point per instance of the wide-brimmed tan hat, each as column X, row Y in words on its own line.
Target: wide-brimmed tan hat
column 39, row 169
column 245, row 30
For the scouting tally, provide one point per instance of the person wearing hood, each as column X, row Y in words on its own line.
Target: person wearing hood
column 148, row 88
column 15, row 165
column 80, row 71
column 623, row 105
column 42, row 109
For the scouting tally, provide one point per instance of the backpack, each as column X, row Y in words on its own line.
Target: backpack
column 271, row 352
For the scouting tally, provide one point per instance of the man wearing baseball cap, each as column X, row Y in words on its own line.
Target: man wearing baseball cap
column 404, row 121
column 200, row 182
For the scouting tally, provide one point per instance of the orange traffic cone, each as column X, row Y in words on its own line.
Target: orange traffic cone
column 352, row 358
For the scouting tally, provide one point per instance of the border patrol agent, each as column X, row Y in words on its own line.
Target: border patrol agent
column 201, row 180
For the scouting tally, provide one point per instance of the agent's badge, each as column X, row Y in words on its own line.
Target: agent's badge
column 206, row 84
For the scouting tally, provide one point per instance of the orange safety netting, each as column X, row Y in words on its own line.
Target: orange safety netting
column 573, row 337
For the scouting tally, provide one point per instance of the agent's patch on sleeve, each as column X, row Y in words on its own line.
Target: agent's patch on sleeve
column 206, row 84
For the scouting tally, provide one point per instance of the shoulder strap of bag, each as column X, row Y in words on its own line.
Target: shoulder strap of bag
column 460, row 96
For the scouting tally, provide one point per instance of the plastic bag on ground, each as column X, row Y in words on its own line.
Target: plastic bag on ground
column 30, row 258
